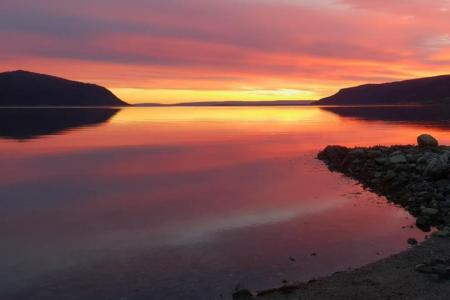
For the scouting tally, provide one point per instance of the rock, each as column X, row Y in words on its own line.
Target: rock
column 426, row 140
column 437, row 166
column 430, row 211
column 374, row 153
column 357, row 152
column 390, row 175
column 442, row 233
column 356, row 161
column 424, row 158
column 398, row 159
column 396, row 152
column 440, row 269
column 381, row 160
column 417, row 178
column 424, row 268
column 333, row 153
column 423, row 223
column 412, row 241
column 242, row 295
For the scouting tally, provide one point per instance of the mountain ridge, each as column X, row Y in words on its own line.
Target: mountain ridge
column 427, row 90
column 25, row 88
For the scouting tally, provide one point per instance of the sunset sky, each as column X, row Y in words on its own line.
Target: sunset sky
column 194, row 50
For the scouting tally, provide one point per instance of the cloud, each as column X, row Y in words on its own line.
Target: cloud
column 207, row 44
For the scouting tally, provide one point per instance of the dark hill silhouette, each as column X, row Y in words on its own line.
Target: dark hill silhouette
column 430, row 90
column 29, row 123
column 22, row 88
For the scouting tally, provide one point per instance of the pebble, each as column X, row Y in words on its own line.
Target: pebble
column 412, row 241
column 242, row 294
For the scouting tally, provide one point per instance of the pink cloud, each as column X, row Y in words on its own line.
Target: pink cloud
column 227, row 44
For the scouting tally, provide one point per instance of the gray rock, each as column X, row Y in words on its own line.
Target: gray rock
column 424, row 158
column 429, row 211
column 437, row 166
column 442, row 233
column 398, row 159
column 440, row 269
column 426, row 140
column 374, row 153
column 390, row 175
column 396, row 152
column 381, row 160
column 424, row 268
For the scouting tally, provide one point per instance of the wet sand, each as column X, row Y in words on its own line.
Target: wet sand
column 391, row 278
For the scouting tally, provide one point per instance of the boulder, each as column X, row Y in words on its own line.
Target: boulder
column 437, row 166
column 426, row 140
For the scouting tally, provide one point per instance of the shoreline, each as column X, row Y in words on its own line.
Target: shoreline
column 395, row 277
column 415, row 177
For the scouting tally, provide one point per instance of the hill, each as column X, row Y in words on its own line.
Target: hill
column 22, row 88
column 430, row 90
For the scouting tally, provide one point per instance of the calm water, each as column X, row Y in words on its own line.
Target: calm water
column 188, row 203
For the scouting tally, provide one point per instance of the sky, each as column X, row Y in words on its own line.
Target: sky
column 197, row 50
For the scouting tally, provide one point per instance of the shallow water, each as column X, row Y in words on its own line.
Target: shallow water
column 188, row 203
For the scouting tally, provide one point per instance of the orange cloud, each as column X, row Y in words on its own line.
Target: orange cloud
column 240, row 49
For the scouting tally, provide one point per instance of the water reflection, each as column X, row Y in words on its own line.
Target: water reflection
column 434, row 116
column 29, row 123
column 185, row 203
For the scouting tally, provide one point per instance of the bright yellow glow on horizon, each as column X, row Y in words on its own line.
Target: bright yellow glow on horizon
column 170, row 96
column 223, row 114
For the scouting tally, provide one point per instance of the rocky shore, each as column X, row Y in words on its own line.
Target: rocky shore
column 416, row 177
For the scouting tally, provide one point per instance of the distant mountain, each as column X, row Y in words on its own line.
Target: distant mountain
column 247, row 103
column 431, row 90
column 234, row 103
column 148, row 104
column 22, row 88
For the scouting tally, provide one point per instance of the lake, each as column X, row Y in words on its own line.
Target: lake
column 191, row 202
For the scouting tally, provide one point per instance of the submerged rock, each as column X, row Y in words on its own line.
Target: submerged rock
column 426, row 140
